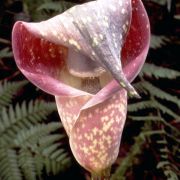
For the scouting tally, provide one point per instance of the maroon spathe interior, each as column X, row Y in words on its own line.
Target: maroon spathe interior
column 136, row 46
column 38, row 55
column 138, row 36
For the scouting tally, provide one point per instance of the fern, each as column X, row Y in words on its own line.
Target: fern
column 165, row 110
column 27, row 164
column 152, row 70
column 153, row 113
column 155, row 119
column 135, row 150
column 57, row 164
column 170, row 170
column 9, row 168
column 22, row 118
column 147, row 87
column 29, row 145
column 44, row 9
column 5, row 53
column 56, row 6
column 151, row 104
column 32, row 136
column 7, row 90
column 167, row 158
column 158, row 41
column 165, row 163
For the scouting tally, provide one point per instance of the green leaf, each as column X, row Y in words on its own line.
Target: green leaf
column 136, row 149
column 155, row 119
column 56, row 6
column 9, row 168
column 5, row 53
column 158, row 41
column 152, row 70
column 25, row 138
column 156, row 92
column 27, row 164
column 22, row 117
column 151, row 104
column 8, row 90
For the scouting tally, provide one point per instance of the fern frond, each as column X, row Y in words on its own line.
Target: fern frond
column 56, row 6
column 155, row 91
column 57, row 164
column 5, row 53
column 140, row 106
column 166, row 163
column 165, row 110
column 151, row 104
column 9, row 168
column 27, row 164
column 53, row 158
column 27, row 138
column 158, row 41
column 135, row 150
column 168, row 169
column 152, row 70
column 22, row 117
column 7, row 90
column 45, row 141
column 155, row 119
column 39, row 165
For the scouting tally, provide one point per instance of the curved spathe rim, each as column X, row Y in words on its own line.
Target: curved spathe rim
column 134, row 53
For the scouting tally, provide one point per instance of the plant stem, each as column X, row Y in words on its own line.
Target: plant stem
column 104, row 175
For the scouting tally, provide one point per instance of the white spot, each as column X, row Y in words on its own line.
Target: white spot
column 120, row 2
column 120, row 36
column 54, row 33
column 89, row 19
column 123, row 11
column 101, row 36
column 93, row 53
column 113, row 8
column 95, row 41
column 75, row 43
column 124, row 28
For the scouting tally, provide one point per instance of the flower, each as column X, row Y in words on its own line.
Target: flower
column 87, row 57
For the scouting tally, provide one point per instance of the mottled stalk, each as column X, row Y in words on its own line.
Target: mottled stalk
column 104, row 175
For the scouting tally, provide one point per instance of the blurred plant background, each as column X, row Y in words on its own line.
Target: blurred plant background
column 33, row 143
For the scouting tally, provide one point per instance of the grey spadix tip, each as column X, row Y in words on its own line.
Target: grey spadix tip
column 116, row 70
column 126, row 85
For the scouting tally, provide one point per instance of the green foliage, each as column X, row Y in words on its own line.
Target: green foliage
column 160, row 2
column 136, row 149
column 158, row 41
column 154, row 109
column 9, row 168
column 5, row 53
column 29, row 144
column 59, row 6
column 7, row 90
column 44, row 9
column 151, row 70
column 147, row 87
